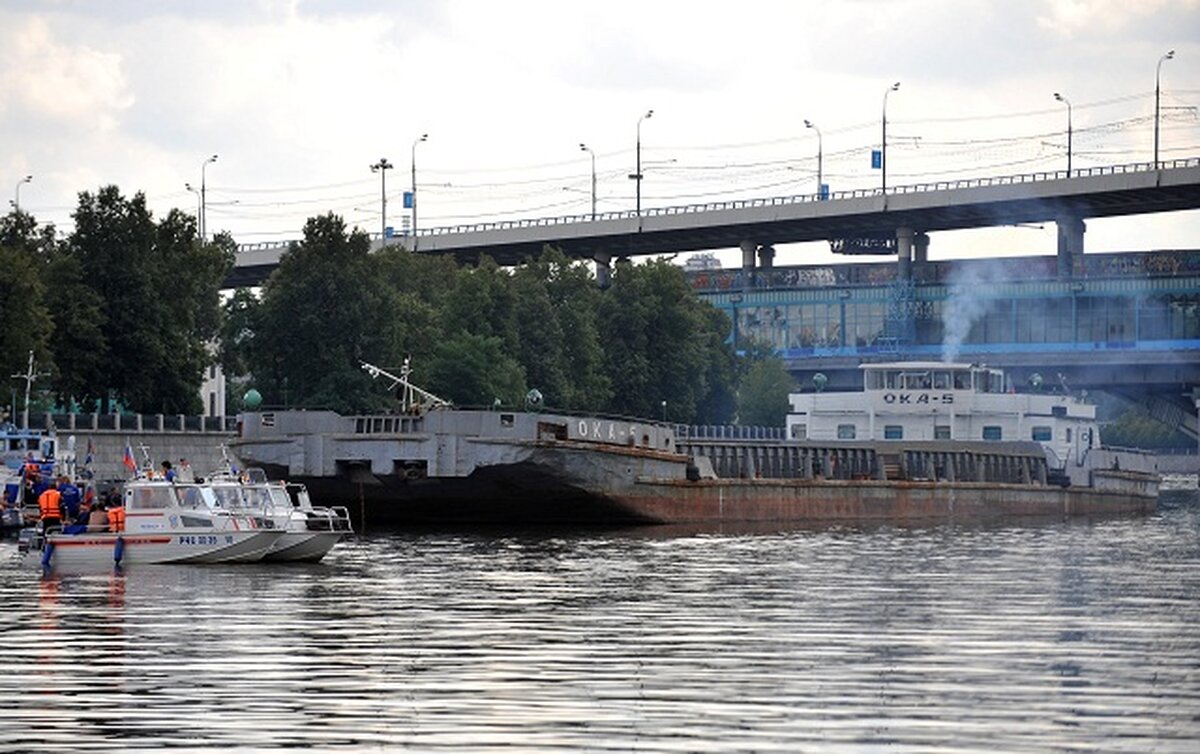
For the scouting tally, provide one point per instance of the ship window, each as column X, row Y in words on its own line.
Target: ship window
column 1068, row 434
column 941, row 432
column 151, row 498
column 799, row 431
column 1058, row 410
column 893, row 432
column 992, row 432
column 846, row 432
column 506, row 420
column 891, row 380
column 1043, row 434
column 962, row 380
column 941, row 380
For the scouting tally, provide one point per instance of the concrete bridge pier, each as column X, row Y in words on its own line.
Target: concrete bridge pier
column 766, row 256
column 1070, row 244
column 920, row 248
column 603, row 271
column 904, row 246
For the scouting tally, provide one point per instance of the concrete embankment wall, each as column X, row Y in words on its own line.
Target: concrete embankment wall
column 165, row 438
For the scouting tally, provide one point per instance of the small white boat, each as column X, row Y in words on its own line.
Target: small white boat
column 309, row 532
column 165, row 522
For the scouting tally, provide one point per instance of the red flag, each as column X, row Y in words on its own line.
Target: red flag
column 128, row 460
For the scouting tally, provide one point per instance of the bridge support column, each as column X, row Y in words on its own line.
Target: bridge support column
column 603, row 271
column 920, row 248
column 904, row 244
column 1070, row 244
column 748, row 250
column 766, row 257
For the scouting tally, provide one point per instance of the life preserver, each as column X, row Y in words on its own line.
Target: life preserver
column 49, row 504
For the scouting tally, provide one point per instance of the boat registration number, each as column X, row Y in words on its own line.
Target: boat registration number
column 198, row 539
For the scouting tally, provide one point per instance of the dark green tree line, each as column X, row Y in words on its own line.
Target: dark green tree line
column 482, row 333
column 124, row 307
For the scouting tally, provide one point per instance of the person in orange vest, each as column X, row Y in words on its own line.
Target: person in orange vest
column 116, row 515
column 50, row 507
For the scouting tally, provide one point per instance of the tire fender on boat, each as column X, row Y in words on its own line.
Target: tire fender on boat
column 119, row 550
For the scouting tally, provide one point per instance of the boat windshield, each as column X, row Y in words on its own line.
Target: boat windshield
column 157, row 497
column 195, row 497
column 280, row 500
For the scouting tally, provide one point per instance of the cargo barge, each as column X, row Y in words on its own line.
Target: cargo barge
column 431, row 463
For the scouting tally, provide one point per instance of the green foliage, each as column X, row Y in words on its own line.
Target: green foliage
column 763, row 394
column 323, row 311
column 28, row 325
column 474, row 370
column 1133, row 428
column 662, row 344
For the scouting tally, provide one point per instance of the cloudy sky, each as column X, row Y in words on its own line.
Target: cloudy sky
column 299, row 97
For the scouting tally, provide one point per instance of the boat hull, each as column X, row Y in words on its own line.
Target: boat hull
column 100, row 550
column 303, row 546
column 773, row 500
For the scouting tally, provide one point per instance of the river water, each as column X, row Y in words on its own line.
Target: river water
column 1021, row 636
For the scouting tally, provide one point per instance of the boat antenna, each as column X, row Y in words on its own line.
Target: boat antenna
column 30, row 377
column 412, row 398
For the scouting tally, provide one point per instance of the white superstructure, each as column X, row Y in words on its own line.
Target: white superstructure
column 916, row 400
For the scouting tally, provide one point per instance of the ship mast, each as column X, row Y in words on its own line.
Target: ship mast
column 412, row 398
column 30, row 377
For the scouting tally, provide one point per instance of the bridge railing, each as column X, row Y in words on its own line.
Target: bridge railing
column 733, row 204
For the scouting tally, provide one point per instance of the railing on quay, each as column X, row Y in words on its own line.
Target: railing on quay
column 135, row 423
column 916, row 188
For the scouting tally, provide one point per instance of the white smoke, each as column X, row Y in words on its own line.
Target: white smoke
column 967, row 303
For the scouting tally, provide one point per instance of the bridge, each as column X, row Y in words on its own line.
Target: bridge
column 862, row 221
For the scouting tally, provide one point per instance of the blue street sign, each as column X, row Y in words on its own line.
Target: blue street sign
column 388, row 232
column 408, row 199
column 823, row 192
column 876, row 159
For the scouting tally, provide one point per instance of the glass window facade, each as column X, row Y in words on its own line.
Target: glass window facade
column 1060, row 317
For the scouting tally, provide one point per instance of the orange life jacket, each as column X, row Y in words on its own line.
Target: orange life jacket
column 48, row 504
column 32, row 470
column 116, row 519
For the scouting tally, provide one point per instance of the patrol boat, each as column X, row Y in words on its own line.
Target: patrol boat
column 165, row 522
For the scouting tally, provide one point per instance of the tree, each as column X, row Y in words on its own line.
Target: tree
column 763, row 394
column 474, row 370
column 323, row 311
column 28, row 325
column 663, row 344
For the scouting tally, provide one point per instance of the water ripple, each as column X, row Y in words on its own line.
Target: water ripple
column 1023, row 637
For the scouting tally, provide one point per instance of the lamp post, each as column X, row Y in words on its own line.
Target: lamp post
column 1067, row 102
column 813, row 126
column 1158, row 75
column 883, row 140
column 17, row 194
column 637, row 176
column 204, row 200
column 420, row 139
column 585, row 148
column 195, row 191
column 382, row 167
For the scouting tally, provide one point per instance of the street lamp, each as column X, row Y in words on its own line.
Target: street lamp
column 813, row 126
column 203, row 200
column 1067, row 102
column 17, row 194
column 382, row 167
column 195, row 191
column 422, row 138
column 585, row 148
column 637, row 176
column 1157, row 75
column 883, row 141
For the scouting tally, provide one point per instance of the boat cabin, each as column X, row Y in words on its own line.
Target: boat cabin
column 938, row 401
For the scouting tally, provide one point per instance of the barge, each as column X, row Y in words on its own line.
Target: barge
column 431, row 463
